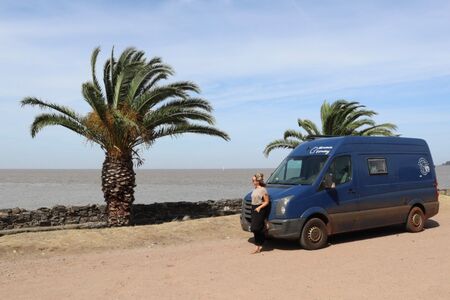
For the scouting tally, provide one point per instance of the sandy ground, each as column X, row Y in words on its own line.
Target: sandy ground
column 209, row 259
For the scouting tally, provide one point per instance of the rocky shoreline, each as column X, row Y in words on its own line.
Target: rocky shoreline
column 94, row 216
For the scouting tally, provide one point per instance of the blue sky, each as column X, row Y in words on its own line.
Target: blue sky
column 262, row 65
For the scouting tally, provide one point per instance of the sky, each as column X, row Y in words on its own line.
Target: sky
column 261, row 64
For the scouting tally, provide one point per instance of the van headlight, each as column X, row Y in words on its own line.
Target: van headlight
column 281, row 205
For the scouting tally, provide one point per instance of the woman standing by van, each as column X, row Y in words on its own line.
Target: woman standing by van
column 260, row 210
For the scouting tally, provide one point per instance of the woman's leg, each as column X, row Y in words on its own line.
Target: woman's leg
column 257, row 228
column 260, row 238
column 257, row 220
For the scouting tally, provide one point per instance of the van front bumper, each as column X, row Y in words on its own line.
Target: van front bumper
column 286, row 229
column 279, row 228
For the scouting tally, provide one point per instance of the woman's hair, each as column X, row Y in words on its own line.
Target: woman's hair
column 260, row 178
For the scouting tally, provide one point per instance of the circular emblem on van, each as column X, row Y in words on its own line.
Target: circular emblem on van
column 424, row 166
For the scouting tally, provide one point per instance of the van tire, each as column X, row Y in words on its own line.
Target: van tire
column 314, row 234
column 416, row 220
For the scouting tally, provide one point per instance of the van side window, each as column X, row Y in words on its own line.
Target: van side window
column 377, row 166
column 341, row 168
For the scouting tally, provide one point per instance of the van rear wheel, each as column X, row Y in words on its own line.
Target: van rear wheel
column 416, row 220
column 314, row 234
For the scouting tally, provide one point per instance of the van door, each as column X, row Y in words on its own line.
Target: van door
column 342, row 200
column 380, row 201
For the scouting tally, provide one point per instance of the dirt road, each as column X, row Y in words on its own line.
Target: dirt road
column 168, row 262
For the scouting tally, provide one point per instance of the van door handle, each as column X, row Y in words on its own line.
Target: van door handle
column 351, row 191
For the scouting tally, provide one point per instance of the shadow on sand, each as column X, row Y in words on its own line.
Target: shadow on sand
column 376, row 233
column 272, row 244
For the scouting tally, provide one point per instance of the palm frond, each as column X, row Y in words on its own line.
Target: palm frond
column 123, row 82
column 44, row 120
column 93, row 65
column 153, row 81
column 120, row 64
column 352, row 128
column 290, row 133
column 173, row 116
column 280, row 144
column 59, row 108
column 176, row 130
column 308, row 126
column 357, row 114
column 107, row 79
column 159, row 94
column 94, row 99
column 325, row 110
column 153, row 71
column 188, row 103
column 384, row 129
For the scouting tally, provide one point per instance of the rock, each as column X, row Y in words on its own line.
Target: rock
column 16, row 211
column 83, row 213
column 26, row 215
column 59, row 208
column 73, row 220
column 44, row 209
column 142, row 214
column 5, row 219
column 94, row 219
column 45, row 223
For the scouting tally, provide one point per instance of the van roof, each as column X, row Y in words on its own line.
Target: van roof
column 329, row 145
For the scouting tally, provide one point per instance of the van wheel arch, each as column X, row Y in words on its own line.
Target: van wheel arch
column 417, row 203
column 420, row 205
column 321, row 217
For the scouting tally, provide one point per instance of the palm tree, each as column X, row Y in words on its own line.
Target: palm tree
column 339, row 118
column 132, row 111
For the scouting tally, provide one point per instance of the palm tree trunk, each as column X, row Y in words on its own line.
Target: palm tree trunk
column 118, row 182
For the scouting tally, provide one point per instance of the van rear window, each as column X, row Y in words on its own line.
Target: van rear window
column 377, row 166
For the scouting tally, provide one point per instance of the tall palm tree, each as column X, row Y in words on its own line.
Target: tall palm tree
column 339, row 118
column 134, row 108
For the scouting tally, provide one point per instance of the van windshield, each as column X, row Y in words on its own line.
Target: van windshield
column 298, row 170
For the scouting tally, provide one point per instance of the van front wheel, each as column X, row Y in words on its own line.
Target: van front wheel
column 314, row 234
column 416, row 220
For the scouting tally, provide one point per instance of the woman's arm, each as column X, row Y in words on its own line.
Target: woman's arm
column 264, row 203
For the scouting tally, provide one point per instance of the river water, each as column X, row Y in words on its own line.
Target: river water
column 38, row 188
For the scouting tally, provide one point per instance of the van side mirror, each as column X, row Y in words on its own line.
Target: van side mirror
column 327, row 182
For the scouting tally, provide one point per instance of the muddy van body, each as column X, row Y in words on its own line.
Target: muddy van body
column 340, row 184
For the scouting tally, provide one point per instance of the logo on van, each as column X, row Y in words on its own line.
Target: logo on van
column 321, row 150
column 424, row 166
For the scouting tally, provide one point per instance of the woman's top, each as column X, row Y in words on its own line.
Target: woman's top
column 258, row 194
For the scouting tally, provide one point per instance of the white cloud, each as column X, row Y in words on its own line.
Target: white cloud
column 290, row 55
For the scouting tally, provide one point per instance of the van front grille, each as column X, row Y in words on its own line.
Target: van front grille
column 247, row 211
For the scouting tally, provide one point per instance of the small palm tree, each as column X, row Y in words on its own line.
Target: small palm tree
column 339, row 118
column 133, row 109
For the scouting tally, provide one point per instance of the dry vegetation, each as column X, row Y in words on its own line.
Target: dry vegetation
column 85, row 240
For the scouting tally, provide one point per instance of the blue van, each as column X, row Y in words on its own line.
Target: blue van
column 340, row 184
